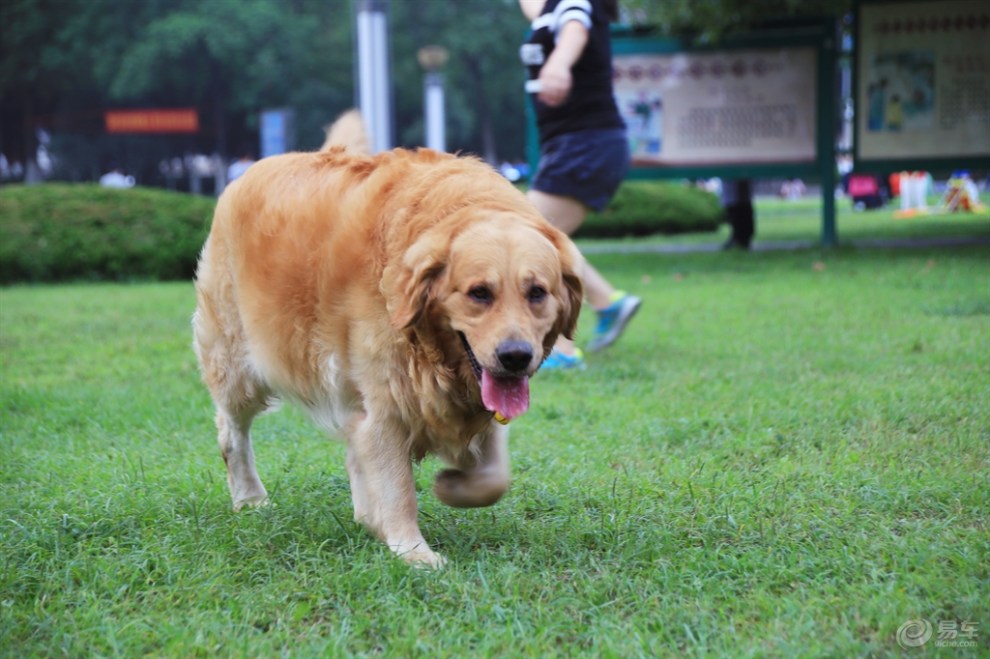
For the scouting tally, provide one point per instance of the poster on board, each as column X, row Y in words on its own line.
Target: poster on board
column 923, row 80
column 732, row 107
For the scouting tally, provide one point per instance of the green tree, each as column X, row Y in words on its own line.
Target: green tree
column 709, row 20
column 236, row 56
column 39, row 62
column 483, row 77
column 71, row 59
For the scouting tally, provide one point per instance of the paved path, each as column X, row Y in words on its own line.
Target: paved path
column 789, row 245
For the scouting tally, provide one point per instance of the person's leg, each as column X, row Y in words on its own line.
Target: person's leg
column 567, row 214
column 614, row 309
column 738, row 200
column 596, row 288
column 747, row 223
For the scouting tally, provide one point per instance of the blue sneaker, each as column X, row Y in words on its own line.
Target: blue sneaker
column 558, row 361
column 612, row 320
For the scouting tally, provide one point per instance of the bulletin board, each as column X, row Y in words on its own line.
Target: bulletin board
column 922, row 84
column 757, row 105
column 742, row 107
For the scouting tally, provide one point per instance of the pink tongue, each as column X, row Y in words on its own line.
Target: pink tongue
column 508, row 396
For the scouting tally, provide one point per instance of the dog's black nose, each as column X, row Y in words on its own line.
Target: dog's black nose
column 515, row 356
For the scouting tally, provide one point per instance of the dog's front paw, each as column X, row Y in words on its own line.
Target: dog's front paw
column 256, row 501
column 420, row 556
column 470, row 489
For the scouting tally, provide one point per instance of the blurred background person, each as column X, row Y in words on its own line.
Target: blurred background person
column 584, row 150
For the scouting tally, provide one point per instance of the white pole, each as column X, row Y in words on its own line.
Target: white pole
column 373, row 72
column 436, row 136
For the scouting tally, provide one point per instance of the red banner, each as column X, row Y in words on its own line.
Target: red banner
column 180, row 120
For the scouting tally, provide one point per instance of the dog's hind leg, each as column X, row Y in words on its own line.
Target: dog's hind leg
column 238, row 394
column 483, row 474
column 234, row 436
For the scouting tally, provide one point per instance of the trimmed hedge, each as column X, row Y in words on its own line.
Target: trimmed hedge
column 56, row 231
column 641, row 208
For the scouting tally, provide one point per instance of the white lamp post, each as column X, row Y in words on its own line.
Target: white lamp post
column 432, row 59
column 374, row 77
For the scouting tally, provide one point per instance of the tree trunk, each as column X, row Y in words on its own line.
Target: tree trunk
column 484, row 112
column 32, row 173
column 220, row 127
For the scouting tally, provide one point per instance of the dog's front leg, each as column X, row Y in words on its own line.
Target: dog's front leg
column 483, row 475
column 382, row 489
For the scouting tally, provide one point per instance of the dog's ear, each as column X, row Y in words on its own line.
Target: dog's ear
column 571, row 289
column 571, row 264
column 409, row 286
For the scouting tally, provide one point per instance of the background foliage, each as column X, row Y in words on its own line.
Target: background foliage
column 709, row 20
column 83, row 231
column 59, row 232
column 63, row 62
column 641, row 208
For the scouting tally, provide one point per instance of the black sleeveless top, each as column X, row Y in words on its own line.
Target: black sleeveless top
column 591, row 103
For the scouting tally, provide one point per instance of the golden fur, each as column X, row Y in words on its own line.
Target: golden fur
column 363, row 287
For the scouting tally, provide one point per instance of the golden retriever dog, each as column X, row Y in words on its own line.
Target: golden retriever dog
column 403, row 299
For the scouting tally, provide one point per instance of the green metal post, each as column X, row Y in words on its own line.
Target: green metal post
column 827, row 107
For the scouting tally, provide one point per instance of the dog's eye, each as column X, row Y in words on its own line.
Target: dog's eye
column 481, row 294
column 536, row 294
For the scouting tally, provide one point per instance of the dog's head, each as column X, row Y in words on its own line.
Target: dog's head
column 497, row 293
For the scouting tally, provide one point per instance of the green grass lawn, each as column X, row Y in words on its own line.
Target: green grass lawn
column 780, row 220
column 788, row 454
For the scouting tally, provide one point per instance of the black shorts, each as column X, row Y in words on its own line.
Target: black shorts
column 587, row 165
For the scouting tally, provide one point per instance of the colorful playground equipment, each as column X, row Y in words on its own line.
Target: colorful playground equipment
column 961, row 195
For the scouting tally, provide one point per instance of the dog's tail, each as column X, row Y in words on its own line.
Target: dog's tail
column 349, row 132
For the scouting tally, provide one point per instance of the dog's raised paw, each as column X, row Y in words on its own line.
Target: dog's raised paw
column 470, row 489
